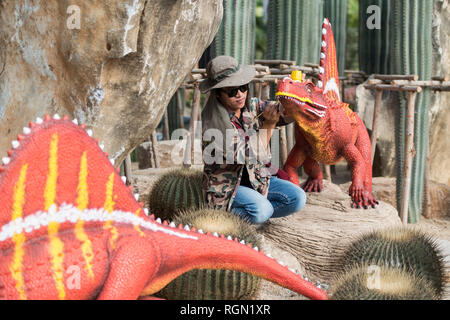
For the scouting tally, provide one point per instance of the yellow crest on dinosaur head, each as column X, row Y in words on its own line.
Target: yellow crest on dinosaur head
column 297, row 75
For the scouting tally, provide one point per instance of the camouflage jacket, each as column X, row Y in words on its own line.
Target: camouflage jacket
column 221, row 180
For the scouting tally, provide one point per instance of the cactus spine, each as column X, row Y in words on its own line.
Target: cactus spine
column 294, row 30
column 411, row 54
column 179, row 189
column 236, row 35
column 336, row 12
column 214, row 284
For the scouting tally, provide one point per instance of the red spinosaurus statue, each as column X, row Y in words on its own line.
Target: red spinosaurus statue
column 326, row 130
column 64, row 209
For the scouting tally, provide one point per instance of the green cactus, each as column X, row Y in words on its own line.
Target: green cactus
column 371, row 282
column 236, row 35
column 179, row 189
column 294, row 30
column 411, row 53
column 336, row 12
column 173, row 113
column 403, row 248
column 374, row 44
column 214, row 284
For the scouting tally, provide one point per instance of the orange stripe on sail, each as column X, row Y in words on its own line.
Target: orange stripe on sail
column 109, row 207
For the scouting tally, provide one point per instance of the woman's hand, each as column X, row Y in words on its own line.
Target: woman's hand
column 272, row 113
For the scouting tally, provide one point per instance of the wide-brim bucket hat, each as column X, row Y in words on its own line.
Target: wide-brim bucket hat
column 225, row 71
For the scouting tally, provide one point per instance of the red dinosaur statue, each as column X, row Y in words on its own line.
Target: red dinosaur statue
column 70, row 228
column 327, row 130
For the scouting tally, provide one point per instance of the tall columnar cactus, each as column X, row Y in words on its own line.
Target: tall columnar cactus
column 214, row 284
column 173, row 112
column 374, row 41
column 236, row 35
column 411, row 53
column 294, row 30
column 336, row 12
column 177, row 190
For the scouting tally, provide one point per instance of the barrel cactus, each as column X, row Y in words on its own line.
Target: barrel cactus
column 178, row 189
column 371, row 282
column 214, row 284
column 402, row 248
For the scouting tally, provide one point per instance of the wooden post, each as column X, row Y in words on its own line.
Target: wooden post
column 190, row 146
column 180, row 108
column 376, row 112
column 283, row 145
column 326, row 172
column 265, row 91
column 166, row 126
column 154, row 150
column 409, row 154
column 127, row 167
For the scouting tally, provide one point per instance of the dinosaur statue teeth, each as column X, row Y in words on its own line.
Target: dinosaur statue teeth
column 146, row 211
column 39, row 120
column 324, row 44
column 6, row 160
column 317, row 113
column 172, row 224
column 56, row 117
column 187, row 228
column 320, row 84
column 89, row 132
column 324, row 31
column 124, row 179
column 75, row 121
column 15, row 144
column 200, row 231
column 230, row 238
column 256, row 249
column 26, row 130
column 102, row 146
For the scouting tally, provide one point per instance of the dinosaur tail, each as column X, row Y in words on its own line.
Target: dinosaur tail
column 194, row 250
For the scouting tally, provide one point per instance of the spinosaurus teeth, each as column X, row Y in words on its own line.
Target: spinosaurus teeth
column 146, row 211
column 124, row 179
column 322, row 55
column 321, row 70
column 172, row 224
column 102, row 146
column 230, row 238
column 15, row 144
column 136, row 196
column 39, row 120
column 324, row 31
column 256, row 249
column 26, row 130
column 56, row 117
column 320, row 84
column 187, row 228
column 112, row 161
column 89, row 132
column 75, row 121
column 242, row 242
column 324, row 44
column 200, row 231
column 159, row 220
column 6, row 160
column 215, row 234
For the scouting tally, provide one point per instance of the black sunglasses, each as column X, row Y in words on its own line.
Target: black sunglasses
column 232, row 91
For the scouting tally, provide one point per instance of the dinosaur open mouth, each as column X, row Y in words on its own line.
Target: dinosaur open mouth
column 309, row 106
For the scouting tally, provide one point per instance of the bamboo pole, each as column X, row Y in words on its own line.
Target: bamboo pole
column 189, row 151
column 275, row 62
column 376, row 112
column 409, row 154
column 389, row 87
column 387, row 77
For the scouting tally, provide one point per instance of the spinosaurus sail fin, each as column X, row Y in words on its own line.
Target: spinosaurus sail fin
column 55, row 161
column 328, row 71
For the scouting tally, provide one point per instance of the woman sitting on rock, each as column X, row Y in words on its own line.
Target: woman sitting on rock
column 236, row 134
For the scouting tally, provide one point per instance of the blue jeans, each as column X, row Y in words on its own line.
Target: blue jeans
column 283, row 199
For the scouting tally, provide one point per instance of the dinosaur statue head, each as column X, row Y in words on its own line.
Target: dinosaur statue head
column 302, row 99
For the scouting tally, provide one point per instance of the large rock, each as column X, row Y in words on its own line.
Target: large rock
column 112, row 64
column 319, row 234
